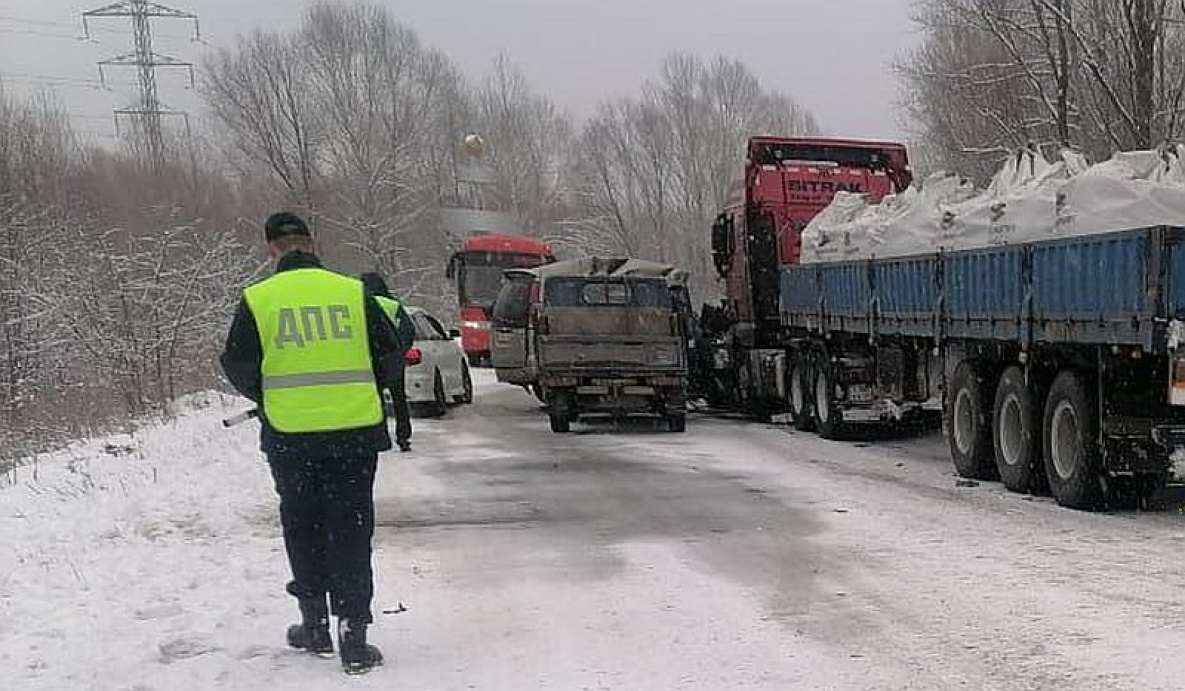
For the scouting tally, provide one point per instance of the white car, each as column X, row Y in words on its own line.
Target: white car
column 437, row 371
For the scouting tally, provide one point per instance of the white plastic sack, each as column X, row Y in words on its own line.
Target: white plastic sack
column 1019, row 206
column 1029, row 199
column 1135, row 189
column 836, row 233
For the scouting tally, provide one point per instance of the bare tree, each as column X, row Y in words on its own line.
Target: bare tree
column 36, row 154
column 528, row 140
column 993, row 75
column 353, row 123
column 652, row 171
column 258, row 92
column 115, row 283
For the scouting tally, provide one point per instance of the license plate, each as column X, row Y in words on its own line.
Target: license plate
column 860, row 393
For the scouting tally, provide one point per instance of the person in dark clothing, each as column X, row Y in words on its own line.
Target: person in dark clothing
column 312, row 349
column 406, row 332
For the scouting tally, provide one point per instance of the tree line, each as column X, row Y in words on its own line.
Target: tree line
column 1093, row 75
column 117, row 277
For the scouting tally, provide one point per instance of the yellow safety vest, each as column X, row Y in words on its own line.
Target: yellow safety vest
column 390, row 307
column 317, row 372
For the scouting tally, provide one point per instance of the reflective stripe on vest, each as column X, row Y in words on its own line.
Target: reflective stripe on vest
column 290, row 381
column 317, row 373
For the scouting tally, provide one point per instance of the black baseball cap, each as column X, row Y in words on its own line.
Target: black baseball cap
column 285, row 224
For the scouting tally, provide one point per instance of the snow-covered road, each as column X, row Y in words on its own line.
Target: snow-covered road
column 733, row 556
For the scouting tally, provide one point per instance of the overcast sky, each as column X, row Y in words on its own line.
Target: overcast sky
column 833, row 56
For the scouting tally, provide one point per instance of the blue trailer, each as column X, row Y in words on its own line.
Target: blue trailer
column 1055, row 364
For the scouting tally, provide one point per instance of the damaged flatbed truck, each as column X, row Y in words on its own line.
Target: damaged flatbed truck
column 597, row 337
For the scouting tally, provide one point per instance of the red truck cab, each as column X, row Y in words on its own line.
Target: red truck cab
column 786, row 182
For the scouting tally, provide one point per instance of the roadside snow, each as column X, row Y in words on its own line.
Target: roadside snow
column 154, row 561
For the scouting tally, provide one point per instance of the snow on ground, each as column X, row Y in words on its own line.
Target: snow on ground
column 154, row 561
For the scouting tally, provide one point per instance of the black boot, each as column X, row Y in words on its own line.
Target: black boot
column 358, row 657
column 312, row 634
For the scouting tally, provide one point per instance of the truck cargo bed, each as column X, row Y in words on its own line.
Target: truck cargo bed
column 1118, row 289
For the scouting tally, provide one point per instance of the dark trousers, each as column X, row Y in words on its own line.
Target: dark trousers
column 401, row 410
column 327, row 512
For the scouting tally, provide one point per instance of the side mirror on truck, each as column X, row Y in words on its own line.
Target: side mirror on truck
column 722, row 243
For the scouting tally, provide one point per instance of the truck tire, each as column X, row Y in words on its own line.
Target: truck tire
column 1073, row 462
column 674, row 408
column 968, row 420
column 1016, row 434
column 801, row 411
column 559, row 413
column 828, row 416
column 560, row 424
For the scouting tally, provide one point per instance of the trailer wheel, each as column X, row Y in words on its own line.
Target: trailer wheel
column 800, row 401
column 559, row 413
column 827, row 413
column 968, row 414
column 1016, row 433
column 1073, row 462
column 674, row 409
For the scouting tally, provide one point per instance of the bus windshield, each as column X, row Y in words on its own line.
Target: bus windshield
column 480, row 277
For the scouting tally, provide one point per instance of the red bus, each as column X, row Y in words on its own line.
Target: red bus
column 477, row 269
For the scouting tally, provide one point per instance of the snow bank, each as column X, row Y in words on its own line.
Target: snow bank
column 1029, row 199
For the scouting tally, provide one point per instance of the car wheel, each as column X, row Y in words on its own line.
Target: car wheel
column 439, row 401
column 466, row 386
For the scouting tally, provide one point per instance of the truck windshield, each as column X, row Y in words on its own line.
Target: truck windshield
column 594, row 292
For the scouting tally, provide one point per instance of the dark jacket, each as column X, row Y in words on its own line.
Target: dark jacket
column 242, row 361
column 405, row 329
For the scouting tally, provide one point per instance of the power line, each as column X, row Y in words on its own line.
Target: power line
column 39, row 34
column 49, row 79
column 35, row 22
column 149, row 110
column 81, row 36
column 84, row 116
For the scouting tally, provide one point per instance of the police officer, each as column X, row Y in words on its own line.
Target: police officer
column 406, row 332
column 312, row 348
